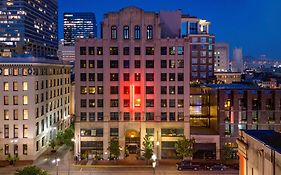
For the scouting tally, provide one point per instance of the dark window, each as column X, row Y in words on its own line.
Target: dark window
column 163, row 116
column 126, row 116
column 126, row 32
column 137, row 116
column 180, row 89
column 100, row 89
column 83, row 77
column 114, row 132
column 91, row 76
column 163, row 63
column 113, row 32
column 137, row 63
column 149, row 102
column 91, row 50
column 163, row 76
column 126, row 63
column 114, row 89
column 149, row 50
column 100, row 103
column 126, row 51
column 100, row 116
column 163, row 103
column 149, row 77
column 83, row 103
column 163, row 50
column 99, row 63
column 113, row 63
column 126, row 89
column 92, row 116
column 114, row 116
column 137, row 50
column 149, row 63
column 172, row 89
column 172, row 103
column 149, row 32
column 24, row 149
column 126, row 76
column 126, row 103
column 91, row 63
column 113, row 102
column 83, row 64
column 83, row 51
column 99, row 51
column 180, row 63
column 137, row 89
column 113, row 76
column 113, row 50
column 137, row 32
column 137, row 77
column 180, row 77
column 163, row 90
column 172, row 116
column 149, row 116
column 149, row 90
column 100, row 76
column 172, row 76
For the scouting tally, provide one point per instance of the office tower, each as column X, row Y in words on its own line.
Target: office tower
column 66, row 52
column 221, row 57
column 35, row 104
column 237, row 60
column 131, row 83
column 201, row 47
column 79, row 25
column 28, row 27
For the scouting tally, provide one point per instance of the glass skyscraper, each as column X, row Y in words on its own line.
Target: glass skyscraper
column 79, row 25
column 28, row 27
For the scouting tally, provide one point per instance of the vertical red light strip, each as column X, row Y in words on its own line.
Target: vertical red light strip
column 132, row 96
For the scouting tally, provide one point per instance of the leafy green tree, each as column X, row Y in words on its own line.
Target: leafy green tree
column 114, row 149
column 52, row 144
column 227, row 152
column 59, row 138
column 184, row 148
column 147, row 148
column 12, row 159
column 68, row 134
column 31, row 170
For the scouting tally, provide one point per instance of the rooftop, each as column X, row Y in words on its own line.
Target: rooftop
column 231, row 86
column 28, row 59
column 270, row 138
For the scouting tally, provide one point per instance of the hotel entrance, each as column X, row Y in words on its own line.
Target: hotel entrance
column 132, row 142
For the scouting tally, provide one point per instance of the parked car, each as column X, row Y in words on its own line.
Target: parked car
column 216, row 167
column 187, row 165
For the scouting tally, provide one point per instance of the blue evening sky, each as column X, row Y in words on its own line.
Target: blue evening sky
column 254, row 25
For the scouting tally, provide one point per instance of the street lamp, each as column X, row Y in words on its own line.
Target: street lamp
column 56, row 161
column 154, row 163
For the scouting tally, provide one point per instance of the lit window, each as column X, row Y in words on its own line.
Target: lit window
column 149, row 32
column 25, row 114
column 25, row 131
column 83, row 90
column 126, row 32
column 137, row 32
column 25, row 100
column 6, row 72
column 24, row 71
column 15, row 71
column 24, row 86
column 15, row 86
column 6, row 86
column 92, row 90
column 138, row 102
column 113, row 32
column 6, row 114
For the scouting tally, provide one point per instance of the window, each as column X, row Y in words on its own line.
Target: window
column 91, row 76
column 15, row 100
column 180, row 50
column 83, row 116
column 126, row 76
column 99, row 51
column 83, row 77
column 149, row 102
column 149, row 50
column 149, row 116
column 83, row 90
column 92, row 116
column 172, row 132
column 91, row 50
column 126, row 103
column 113, row 50
column 172, row 103
column 163, row 116
column 83, row 64
column 37, row 145
column 172, row 89
column 149, row 77
column 83, row 103
column 6, row 100
column 6, row 72
column 6, row 86
column 163, row 76
column 180, row 63
column 126, row 51
column 163, row 63
column 150, row 131
column 99, row 63
column 149, row 32
column 6, row 131
column 6, row 149
column 126, row 90
column 172, row 76
column 16, row 131
column 24, row 149
column 16, row 114
column 6, row 114
column 126, row 116
column 137, row 32
column 114, row 89
column 25, row 131
column 100, row 103
column 137, row 50
column 126, row 63
column 91, row 63
column 83, row 51
column 25, row 100
column 163, row 103
column 172, row 116
column 24, row 86
column 25, row 114
column 172, row 64
column 114, row 132
column 137, row 77
column 92, row 90
column 163, row 90
column 137, row 63
column 137, row 89
column 149, row 90
column 149, row 63
column 163, row 50
column 100, row 116
column 172, row 50
column 99, row 76
column 113, row 32
column 180, row 103
column 180, row 77
column 113, row 63
column 180, row 116
column 126, row 32
column 113, row 102
column 15, row 86
column 100, row 89
column 137, row 116
column 92, row 103
column 113, row 76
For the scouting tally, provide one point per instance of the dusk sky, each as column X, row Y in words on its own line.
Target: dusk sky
column 254, row 25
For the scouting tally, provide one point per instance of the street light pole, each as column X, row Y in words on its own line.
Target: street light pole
column 56, row 161
column 154, row 163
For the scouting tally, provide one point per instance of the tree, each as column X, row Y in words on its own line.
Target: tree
column 184, row 148
column 12, row 159
column 114, row 149
column 227, row 152
column 52, row 144
column 31, row 170
column 148, row 148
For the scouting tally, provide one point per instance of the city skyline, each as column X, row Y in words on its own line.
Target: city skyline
column 262, row 18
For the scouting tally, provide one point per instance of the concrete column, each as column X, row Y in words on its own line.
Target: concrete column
column 106, row 138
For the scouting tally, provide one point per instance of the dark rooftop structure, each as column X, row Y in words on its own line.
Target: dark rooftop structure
column 29, row 59
column 269, row 138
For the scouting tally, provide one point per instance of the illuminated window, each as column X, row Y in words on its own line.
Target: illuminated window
column 25, row 131
column 163, row 103
column 180, row 50
column 113, row 50
column 16, row 131
column 6, row 86
column 137, row 32
column 16, row 114
column 99, row 51
column 100, row 90
column 6, row 72
column 91, row 50
column 16, row 72
column 172, row 64
column 180, row 63
column 113, row 76
column 25, row 100
column 149, row 50
column 92, row 90
column 180, row 103
column 6, row 100
column 24, row 86
column 6, row 114
column 25, row 114
column 6, row 131
column 114, row 32
column 172, row 76
column 126, row 32
column 24, row 149
column 172, row 89
column 172, row 50
column 24, row 71
column 15, row 100
column 92, row 103
column 137, row 77
column 138, row 102
column 149, row 32
column 83, row 64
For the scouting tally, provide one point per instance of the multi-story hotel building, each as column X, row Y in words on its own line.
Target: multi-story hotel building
column 35, row 104
column 130, row 83
column 221, row 57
